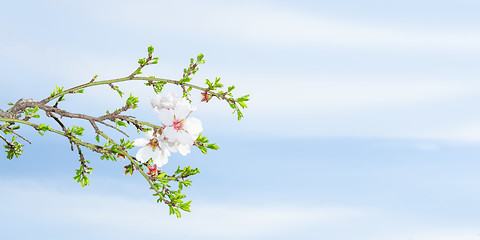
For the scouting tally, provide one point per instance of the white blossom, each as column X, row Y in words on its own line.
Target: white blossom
column 180, row 131
column 165, row 101
column 152, row 148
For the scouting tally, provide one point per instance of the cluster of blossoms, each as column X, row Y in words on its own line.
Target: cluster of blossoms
column 178, row 133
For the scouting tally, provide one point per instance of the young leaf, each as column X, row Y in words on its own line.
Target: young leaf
column 120, row 123
column 150, row 50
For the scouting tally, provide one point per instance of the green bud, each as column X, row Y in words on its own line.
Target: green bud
column 150, row 50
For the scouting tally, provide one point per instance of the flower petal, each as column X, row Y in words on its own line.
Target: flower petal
column 193, row 126
column 166, row 116
column 170, row 134
column 184, row 149
column 167, row 101
column 155, row 101
column 173, row 146
column 184, row 138
column 162, row 158
column 149, row 135
column 182, row 108
column 140, row 142
column 144, row 154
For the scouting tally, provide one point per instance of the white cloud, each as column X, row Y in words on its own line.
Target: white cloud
column 466, row 131
column 269, row 24
column 327, row 95
column 42, row 206
column 71, row 64
column 336, row 106
column 435, row 234
column 102, row 213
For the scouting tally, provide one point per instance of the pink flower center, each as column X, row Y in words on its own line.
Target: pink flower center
column 178, row 125
column 153, row 143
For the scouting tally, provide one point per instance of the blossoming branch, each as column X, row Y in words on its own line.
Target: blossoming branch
column 175, row 131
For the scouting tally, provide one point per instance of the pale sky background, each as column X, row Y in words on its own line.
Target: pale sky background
column 362, row 124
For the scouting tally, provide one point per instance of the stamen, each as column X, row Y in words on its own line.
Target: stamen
column 178, row 125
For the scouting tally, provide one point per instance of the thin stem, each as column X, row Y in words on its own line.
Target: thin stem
column 93, row 147
column 116, row 80
column 20, row 136
column 6, row 141
column 142, row 123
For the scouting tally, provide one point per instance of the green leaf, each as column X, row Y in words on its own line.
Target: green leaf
column 59, row 89
column 44, row 128
column 210, row 85
column 203, row 149
column 6, row 131
column 185, row 206
column 239, row 114
column 158, row 87
column 184, row 80
column 217, row 83
column 242, row 104
column 213, row 146
column 15, row 150
column 120, row 123
column 31, row 112
column 132, row 101
column 118, row 91
column 97, row 138
column 161, row 175
column 202, row 139
column 150, row 50
column 200, row 58
column 243, row 99
column 76, row 130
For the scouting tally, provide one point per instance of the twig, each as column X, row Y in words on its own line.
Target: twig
column 20, row 136
column 50, row 114
column 6, row 141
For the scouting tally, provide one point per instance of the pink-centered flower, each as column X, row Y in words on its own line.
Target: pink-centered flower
column 151, row 148
column 180, row 130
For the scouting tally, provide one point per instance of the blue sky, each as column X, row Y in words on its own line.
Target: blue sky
column 362, row 122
